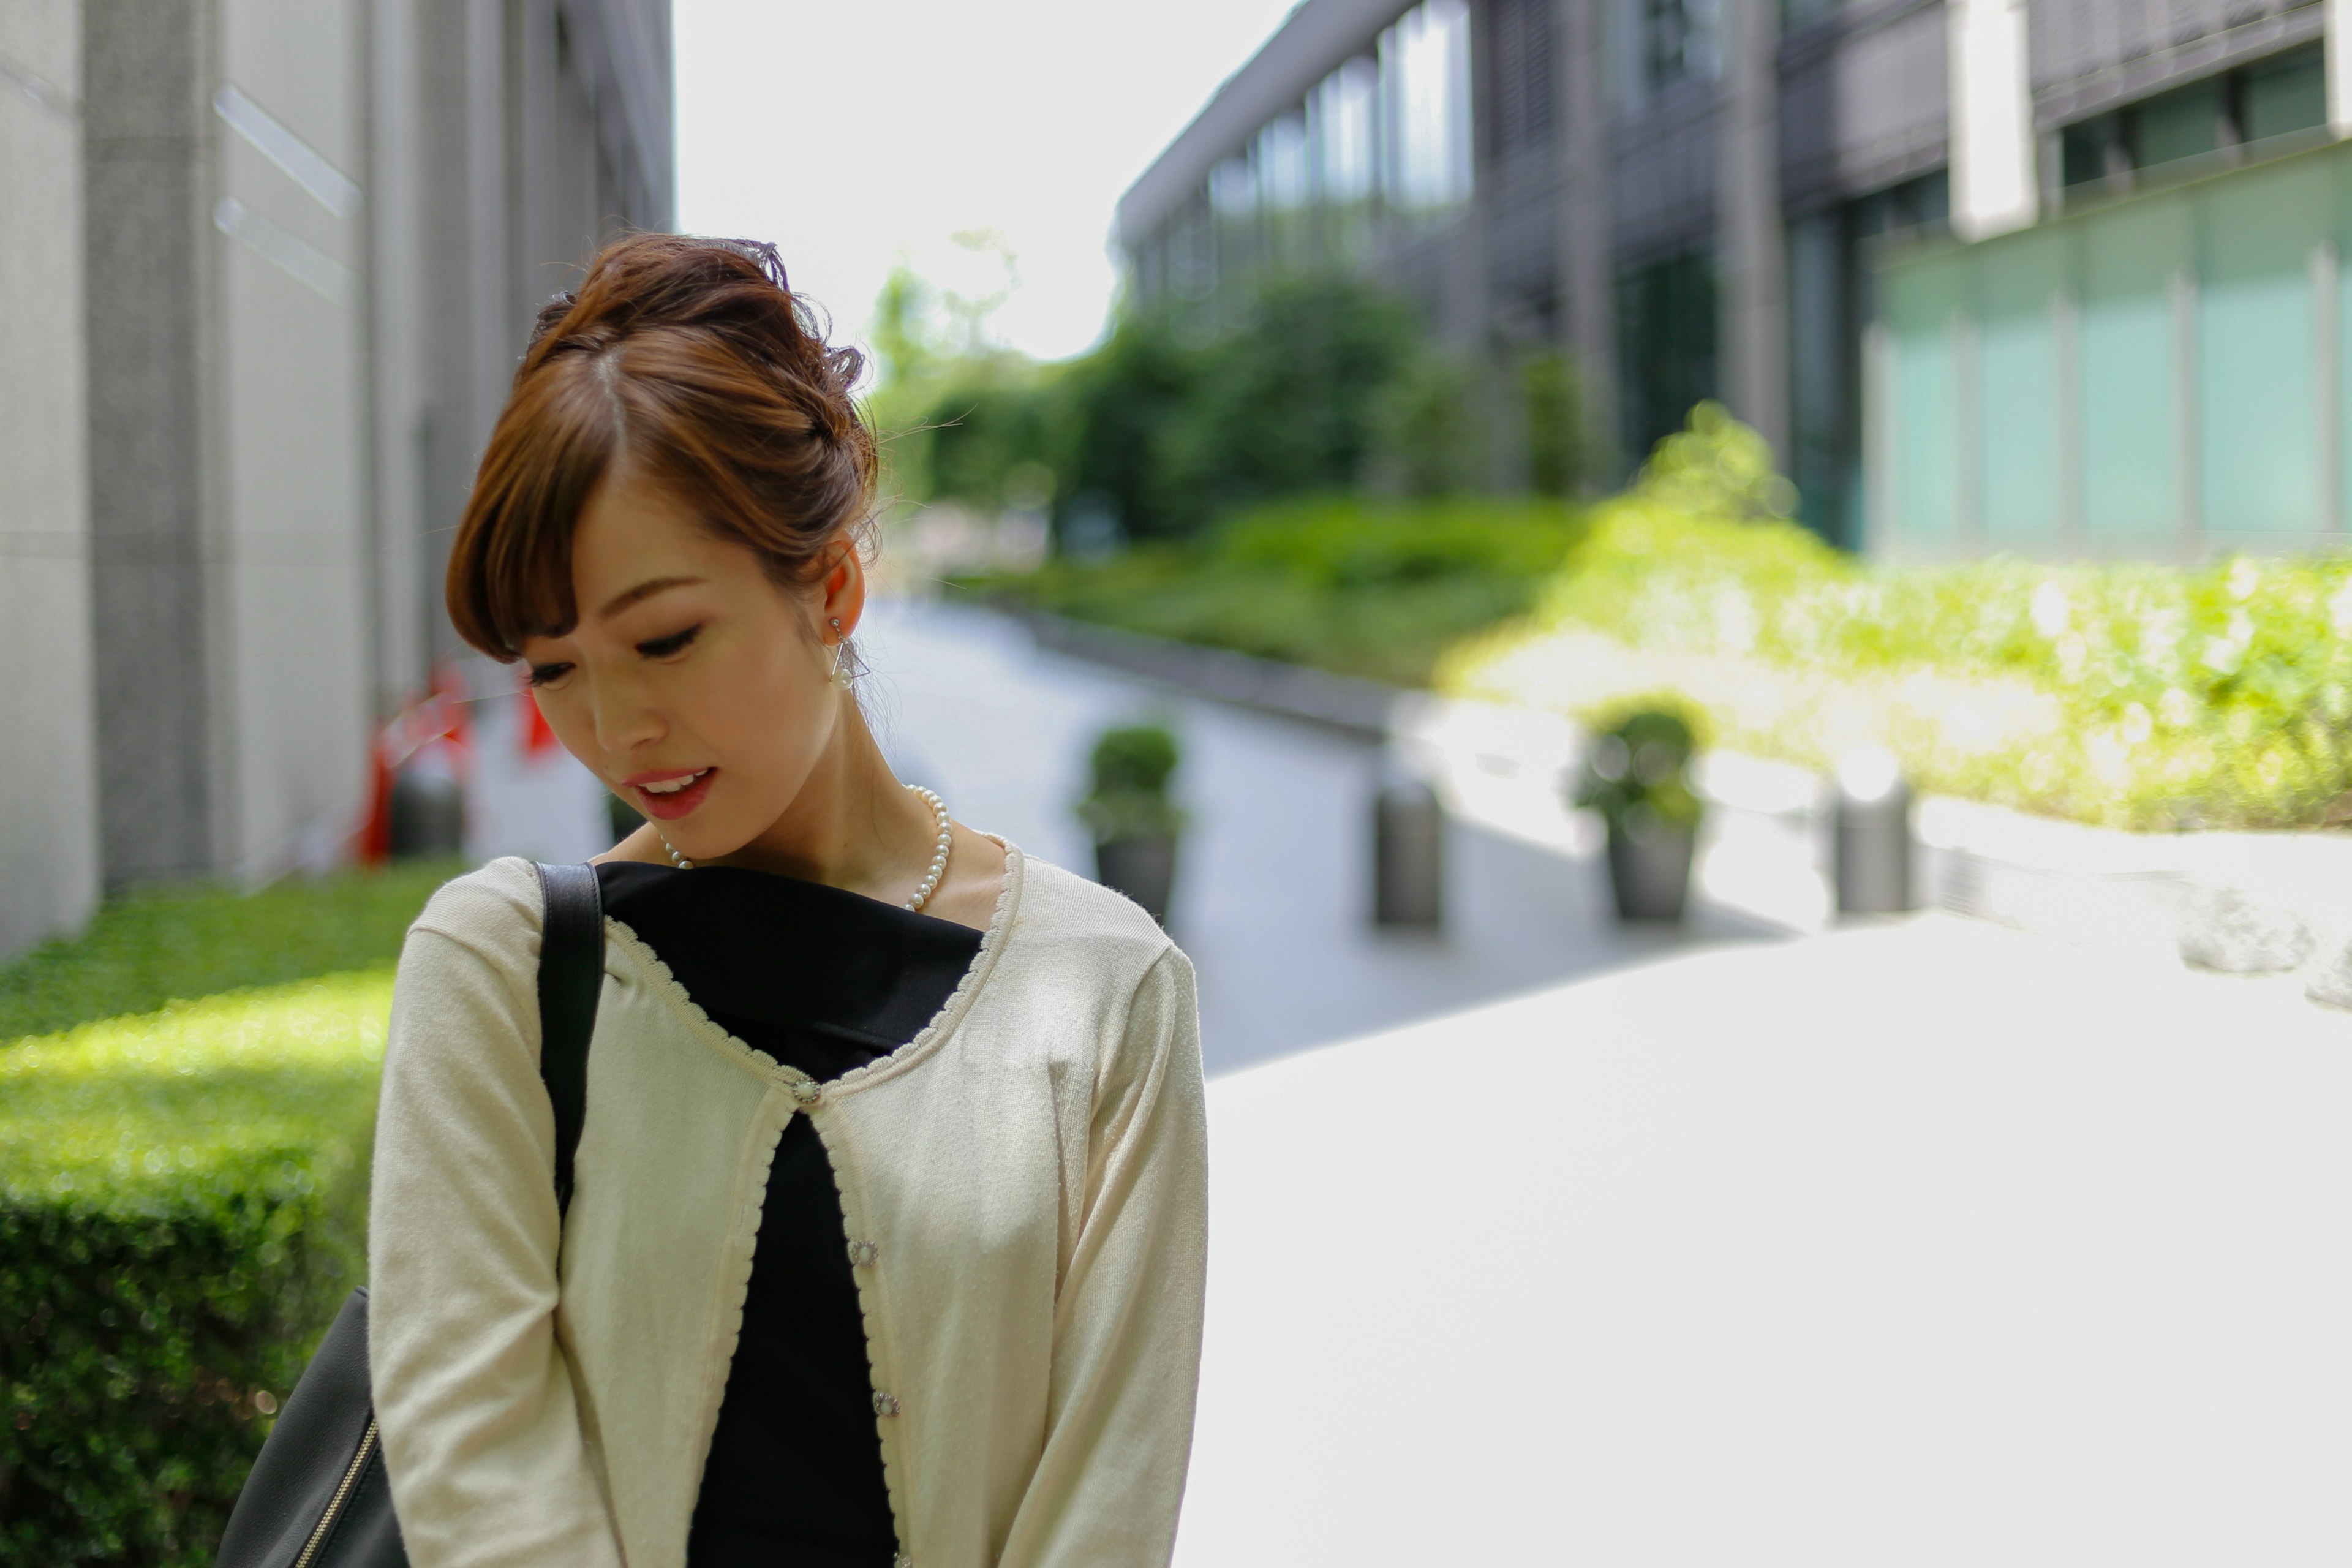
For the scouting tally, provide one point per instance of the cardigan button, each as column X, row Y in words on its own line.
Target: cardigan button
column 862, row 1254
column 806, row 1091
column 885, row 1403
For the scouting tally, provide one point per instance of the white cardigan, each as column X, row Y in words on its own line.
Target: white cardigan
column 1024, row 1193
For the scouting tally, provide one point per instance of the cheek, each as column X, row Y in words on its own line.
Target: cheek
column 759, row 713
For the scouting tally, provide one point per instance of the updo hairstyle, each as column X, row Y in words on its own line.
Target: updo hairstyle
column 691, row 362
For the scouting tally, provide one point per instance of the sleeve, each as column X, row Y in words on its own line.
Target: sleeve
column 474, row 1397
column 1127, row 1331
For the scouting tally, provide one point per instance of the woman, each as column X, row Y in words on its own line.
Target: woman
column 886, row 1236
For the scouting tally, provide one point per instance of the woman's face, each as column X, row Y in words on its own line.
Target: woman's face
column 693, row 686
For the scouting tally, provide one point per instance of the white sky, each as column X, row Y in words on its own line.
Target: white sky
column 853, row 132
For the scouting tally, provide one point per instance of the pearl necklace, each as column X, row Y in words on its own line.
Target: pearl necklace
column 938, row 866
column 939, row 861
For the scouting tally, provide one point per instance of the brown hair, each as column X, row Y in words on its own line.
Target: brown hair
column 692, row 361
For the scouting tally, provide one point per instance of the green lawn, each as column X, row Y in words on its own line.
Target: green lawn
column 153, row 945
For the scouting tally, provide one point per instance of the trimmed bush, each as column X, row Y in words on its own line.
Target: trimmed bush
column 1128, row 799
column 2132, row 695
column 1636, row 772
column 183, row 1206
column 1376, row 590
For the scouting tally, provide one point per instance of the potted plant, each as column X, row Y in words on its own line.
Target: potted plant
column 1636, row 775
column 1134, row 823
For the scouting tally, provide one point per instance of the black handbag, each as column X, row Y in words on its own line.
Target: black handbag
column 317, row 1497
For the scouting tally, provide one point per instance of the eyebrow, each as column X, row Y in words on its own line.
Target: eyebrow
column 641, row 593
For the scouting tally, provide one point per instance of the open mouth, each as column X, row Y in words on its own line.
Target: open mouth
column 671, row 798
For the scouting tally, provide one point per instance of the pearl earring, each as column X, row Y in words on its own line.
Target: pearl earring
column 840, row 672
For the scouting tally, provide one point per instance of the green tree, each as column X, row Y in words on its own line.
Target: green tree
column 1286, row 405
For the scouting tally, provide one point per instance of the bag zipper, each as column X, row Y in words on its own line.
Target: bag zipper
column 343, row 1494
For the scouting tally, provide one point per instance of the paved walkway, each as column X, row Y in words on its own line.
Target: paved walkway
column 1931, row 1244
column 1926, row 1242
column 1274, row 886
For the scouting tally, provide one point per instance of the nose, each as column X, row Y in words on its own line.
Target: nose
column 624, row 721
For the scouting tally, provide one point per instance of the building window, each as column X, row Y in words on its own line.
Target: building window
column 2226, row 115
column 1680, row 41
column 1666, row 343
column 1796, row 15
column 1281, row 159
column 1425, row 99
column 1829, row 299
column 1233, row 191
column 1346, row 132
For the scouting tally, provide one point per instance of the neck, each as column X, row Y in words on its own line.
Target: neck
column 851, row 824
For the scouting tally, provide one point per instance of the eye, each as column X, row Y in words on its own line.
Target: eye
column 548, row 674
column 676, row 642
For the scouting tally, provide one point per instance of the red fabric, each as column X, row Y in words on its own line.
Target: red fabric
column 537, row 734
column 440, row 718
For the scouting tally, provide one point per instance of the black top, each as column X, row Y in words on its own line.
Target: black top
column 825, row 981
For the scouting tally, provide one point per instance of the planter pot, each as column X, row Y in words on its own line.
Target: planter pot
column 1142, row 868
column 1650, row 874
column 428, row 815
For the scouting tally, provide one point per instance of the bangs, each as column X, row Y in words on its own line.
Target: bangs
column 510, row 566
column 689, row 361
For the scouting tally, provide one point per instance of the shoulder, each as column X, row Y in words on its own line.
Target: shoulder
column 1066, row 919
column 493, row 909
column 1080, row 951
column 469, row 977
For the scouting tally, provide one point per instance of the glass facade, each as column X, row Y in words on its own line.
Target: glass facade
column 1831, row 300
column 2197, row 127
column 1378, row 153
column 2161, row 376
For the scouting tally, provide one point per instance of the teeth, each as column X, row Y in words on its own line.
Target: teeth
column 672, row 787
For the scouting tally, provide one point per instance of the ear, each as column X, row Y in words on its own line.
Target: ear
column 844, row 590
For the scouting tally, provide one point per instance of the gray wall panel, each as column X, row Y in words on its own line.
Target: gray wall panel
column 146, row 150
column 2089, row 56
column 49, row 815
column 1662, row 188
column 1864, row 100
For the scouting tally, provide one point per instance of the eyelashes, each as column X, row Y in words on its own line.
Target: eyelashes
column 676, row 642
column 660, row 647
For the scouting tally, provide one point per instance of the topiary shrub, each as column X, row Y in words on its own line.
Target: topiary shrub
column 1126, row 796
column 183, row 1206
column 1635, row 773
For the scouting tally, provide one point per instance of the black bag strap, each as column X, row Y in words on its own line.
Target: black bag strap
column 571, row 974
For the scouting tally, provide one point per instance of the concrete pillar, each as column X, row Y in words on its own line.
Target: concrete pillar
column 397, row 219
column 147, row 164
column 291, row 622
column 1753, row 245
column 1994, row 184
column 49, row 817
column 1587, row 281
column 227, row 459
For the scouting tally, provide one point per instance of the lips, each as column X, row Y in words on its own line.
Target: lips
column 671, row 797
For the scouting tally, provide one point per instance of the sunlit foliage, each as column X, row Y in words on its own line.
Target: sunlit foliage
column 2135, row 695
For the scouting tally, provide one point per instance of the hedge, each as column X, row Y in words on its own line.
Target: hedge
column 1376, row 589
column 183, row 1205
column 2128, row 694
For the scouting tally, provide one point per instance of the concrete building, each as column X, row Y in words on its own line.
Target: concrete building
column 279, row 261
column 1697, row 197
